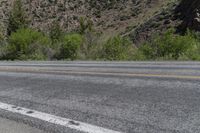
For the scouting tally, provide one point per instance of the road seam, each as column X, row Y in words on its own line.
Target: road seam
column 68, row 123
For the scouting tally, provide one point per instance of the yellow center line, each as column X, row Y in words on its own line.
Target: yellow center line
column 102, row 73
column 132, row 74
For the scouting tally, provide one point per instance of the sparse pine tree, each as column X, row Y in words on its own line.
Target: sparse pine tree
column 56, row 32
column 1, row 35
column 86, row 25
column 90, row 25
column 82, row 24
column 17, row 18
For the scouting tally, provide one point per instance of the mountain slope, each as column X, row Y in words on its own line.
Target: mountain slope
column 181, row 15
column 190, row 14
column 167, row 18
column 113, row 16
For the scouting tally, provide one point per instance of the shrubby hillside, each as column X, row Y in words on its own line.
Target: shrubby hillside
column 108, row 16
column 99, row 30
column 179, row 14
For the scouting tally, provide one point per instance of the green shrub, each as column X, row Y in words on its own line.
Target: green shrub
column 27, row 43
column 193, row 52
column 69, row 46
column 117, row 48
column 90, row 48
column 167, row 46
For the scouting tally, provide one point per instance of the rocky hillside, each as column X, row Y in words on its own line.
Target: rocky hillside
column 189, row 12
column 180, row 14
column 167, row 18
column 109, row 16
column 139, row 19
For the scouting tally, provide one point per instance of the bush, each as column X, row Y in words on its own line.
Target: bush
column 69, row 46
column 27, row 44
column 193, row 52
column 167, row 46
column 90, row 48
column 117, row 48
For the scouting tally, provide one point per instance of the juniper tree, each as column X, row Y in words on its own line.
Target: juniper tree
column 56, row 32
column 17, row 18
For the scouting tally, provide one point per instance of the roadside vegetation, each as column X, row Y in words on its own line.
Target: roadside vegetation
column 170, row 46
column 24, row 43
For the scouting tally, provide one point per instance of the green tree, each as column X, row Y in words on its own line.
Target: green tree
column 1, row 35
column 56, row 32
column 17, row 17
column 86, row 25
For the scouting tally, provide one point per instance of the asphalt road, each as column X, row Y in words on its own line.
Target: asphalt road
column 129, row 97
column 8, row 126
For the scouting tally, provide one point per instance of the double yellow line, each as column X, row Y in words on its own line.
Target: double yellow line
column 132, row 74
column 98, row 73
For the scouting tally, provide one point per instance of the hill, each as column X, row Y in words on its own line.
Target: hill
column 181, row 15
column 95, row 30
column 113, row 16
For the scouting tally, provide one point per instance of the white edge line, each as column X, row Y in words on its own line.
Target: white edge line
column 68, row 123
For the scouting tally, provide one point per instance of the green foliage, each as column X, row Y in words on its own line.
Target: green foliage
column 167, row 46
column 2, row 44
column 1, row 35
column 70, row 46
column 117, row 48
column 56, row 32
column 24, row 43
column 90, row 47
column 86, row 25
column 17, row 17
column 193, row 52
column 27, row 44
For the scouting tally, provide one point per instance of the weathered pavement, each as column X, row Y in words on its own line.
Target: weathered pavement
column 132, row 97
column 8, row 126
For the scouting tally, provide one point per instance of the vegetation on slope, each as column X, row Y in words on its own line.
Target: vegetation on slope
column 23, row 42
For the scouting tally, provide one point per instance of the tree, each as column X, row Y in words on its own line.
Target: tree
column 86, row 25
column 1, row 35
column 56, row 32
column 17, row 17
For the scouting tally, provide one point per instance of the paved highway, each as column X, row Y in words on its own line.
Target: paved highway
column 101, row 97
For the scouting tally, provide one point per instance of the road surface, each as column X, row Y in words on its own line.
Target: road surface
column 8, row 126
column 100, row 97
